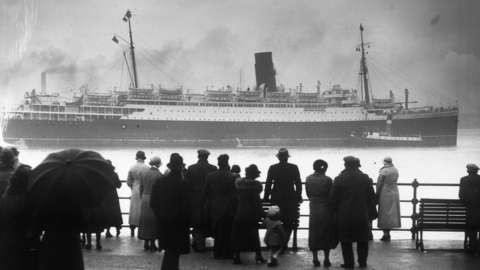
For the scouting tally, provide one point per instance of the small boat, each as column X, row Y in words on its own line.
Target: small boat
column 385, row 139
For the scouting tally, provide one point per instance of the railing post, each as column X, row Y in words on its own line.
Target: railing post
column 414, row 216
column 297, row 224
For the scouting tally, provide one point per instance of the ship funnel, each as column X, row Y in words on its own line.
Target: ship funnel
column 265, row 72
column 43, row 83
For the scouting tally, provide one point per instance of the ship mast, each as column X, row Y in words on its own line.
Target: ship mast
column 127, row 18
column 364, row 69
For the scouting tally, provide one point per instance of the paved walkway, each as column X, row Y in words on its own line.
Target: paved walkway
column 127, row 253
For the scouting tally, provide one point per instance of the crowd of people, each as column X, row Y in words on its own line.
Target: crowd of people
column 176, row 210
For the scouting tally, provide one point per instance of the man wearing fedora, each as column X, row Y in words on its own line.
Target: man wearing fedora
column 195, row 176
column 170, row 203
column 470, row 195
column 286, row 191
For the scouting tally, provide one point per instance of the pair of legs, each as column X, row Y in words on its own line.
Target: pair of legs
column 109, row 235
column 149, row 245
column 258, row 257
column 288, row 226
column 347, row 253
column 132, row 230
column 274, row 253
column 171, row 260
column 386, row 235
column 87, row 240
column 326, row 258
column 473, row 241
column 221, row 244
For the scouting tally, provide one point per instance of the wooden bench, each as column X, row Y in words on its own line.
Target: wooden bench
column 440, row 215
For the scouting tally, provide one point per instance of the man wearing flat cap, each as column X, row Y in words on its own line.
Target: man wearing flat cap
column 195, row 177
column 286, row 191
column 352, row 198
column 470, row 195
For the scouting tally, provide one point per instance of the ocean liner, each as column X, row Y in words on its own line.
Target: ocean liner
column 264, row 116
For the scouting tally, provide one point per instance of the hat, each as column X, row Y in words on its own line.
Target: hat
column 235, row 169
column 472, row 166
column 140, row 155
column 203, row 152
column 273, row 211
column 283, row 152
column 252, row 170
column 223, row 158
column 155, row 161
column 351, row 161
column 176, row 161
column 387, row 160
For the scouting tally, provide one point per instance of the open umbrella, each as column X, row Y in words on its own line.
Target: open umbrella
column 70, row 178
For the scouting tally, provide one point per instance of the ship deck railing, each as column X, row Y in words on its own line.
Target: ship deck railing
column 409, row 199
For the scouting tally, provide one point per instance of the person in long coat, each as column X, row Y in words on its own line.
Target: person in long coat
column 170, row 201
column 14, row 223
column 388, row 199
column 220, row 201
column 470, row 195
column 195, row 177
column 247, row 216
column 133, row 182
column 352, row 198
column 147, row 229
column 286, row 191
column 113, row 207
column 321, row 234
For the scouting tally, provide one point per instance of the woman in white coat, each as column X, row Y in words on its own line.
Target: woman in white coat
column 388, row 198
column 133, row 181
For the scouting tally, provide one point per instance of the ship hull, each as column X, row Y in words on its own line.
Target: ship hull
column 436, row 131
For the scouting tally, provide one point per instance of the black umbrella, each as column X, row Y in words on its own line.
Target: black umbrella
column 70, row 178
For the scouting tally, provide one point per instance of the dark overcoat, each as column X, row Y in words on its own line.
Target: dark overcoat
column 284, row 188
column 112, row 205
column 5, row 175
column 220, row 198
column 60, row 246
column 470, row 195
column 14, row 223
column 170, row 202
column 352, row 199
column 195, row 177
column 321, row 228
column 249, row 213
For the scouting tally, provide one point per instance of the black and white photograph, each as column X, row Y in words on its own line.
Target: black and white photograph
column 239, row 134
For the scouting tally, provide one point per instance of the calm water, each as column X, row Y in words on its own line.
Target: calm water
column 427, row 164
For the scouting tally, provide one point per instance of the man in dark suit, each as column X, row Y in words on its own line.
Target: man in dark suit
column 352, row 198
column 170, row 203
column 219, row 200
column 470, row 195
column 286, row 191
column 195, row 177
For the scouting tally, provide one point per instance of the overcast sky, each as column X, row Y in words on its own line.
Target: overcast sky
column 431, row 47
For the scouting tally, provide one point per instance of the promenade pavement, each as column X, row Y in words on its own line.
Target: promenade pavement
column 128, row 253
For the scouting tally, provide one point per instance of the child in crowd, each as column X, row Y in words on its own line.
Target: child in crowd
column 275, row 237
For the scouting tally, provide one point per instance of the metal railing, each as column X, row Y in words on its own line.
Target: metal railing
column 414, row 200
